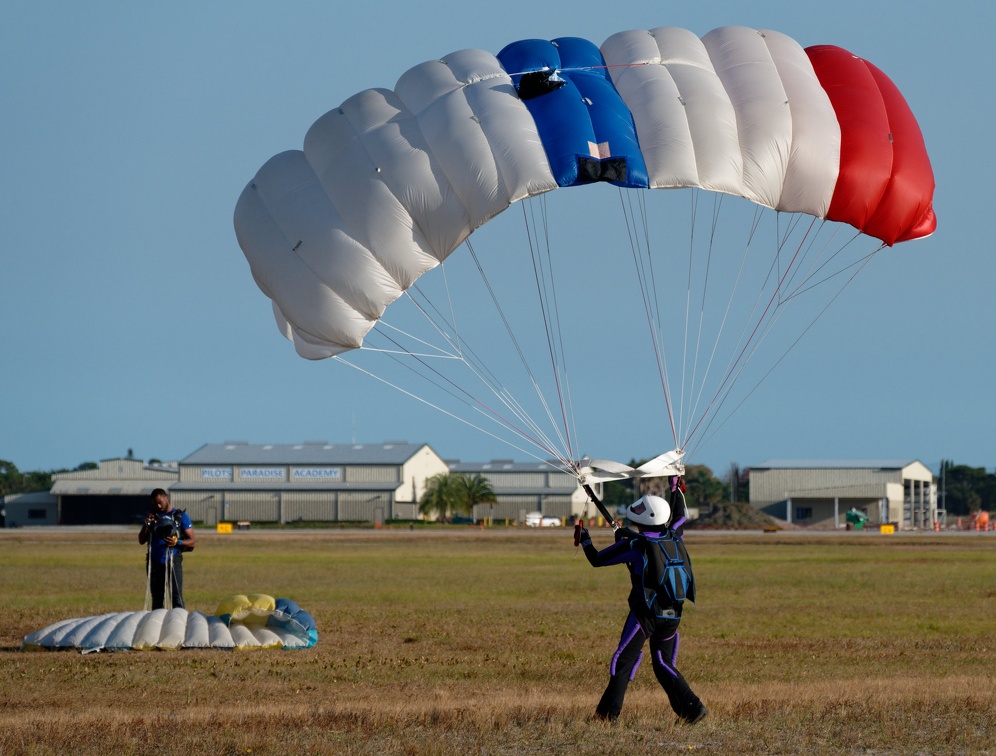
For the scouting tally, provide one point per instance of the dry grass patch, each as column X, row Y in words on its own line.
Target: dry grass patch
column 497, row 642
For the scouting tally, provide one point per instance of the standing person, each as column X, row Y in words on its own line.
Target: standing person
column 168, row 532
column 661, row 576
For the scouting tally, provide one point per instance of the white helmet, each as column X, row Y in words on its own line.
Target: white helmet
column 649, row 510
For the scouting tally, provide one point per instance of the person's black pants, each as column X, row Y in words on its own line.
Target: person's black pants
column 664, row 654
column 158, row 579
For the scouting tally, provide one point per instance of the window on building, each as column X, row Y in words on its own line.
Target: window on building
column 36, row 514
column 803, row 513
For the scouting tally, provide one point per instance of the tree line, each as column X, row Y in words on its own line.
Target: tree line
column 963, row 489
column 13, row 481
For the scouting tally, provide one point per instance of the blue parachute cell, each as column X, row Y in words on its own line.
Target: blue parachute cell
column 587, row 130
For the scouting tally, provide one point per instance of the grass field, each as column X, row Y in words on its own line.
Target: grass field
column 497, row 642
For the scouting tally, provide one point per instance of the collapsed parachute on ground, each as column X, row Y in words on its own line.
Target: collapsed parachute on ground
column 241, row 623
column 392, row 181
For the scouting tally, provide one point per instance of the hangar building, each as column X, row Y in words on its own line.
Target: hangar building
column 523, row 487
column 116, row 493
column 821, row 492
column 34, row 508
column 313, row 481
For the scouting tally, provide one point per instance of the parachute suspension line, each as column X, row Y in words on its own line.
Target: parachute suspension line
column 658, row 320
column 472, row 362
column 764, row 324
column 168, row 587
column 642, row 261
column 782, row 241
column 546, row 293
column 861, row 264
column 806, row 284
column 148, row 574
column 792, row 273
column 454, row 341
column 717, row 204
column 470, row 359
column 464, row 397
column 339, row 358
column 694, row 404
column 548, row 445
column 475, row 365
column 688, row 307
column 436, row 352
column 750, row 345
column 453, row 319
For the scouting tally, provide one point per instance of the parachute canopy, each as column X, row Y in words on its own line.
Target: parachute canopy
column 816, row 143
column 392, row 181
column 241, row 622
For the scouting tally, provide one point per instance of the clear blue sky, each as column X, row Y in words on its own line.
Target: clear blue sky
column 131, row 321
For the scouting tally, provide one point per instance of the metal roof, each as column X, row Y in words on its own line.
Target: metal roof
column 228, row 486
column 309, row 453
column 835, row 464
column 503, row 465
column 535, row 491
column 108, row 487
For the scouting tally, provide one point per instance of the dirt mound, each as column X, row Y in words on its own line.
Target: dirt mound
column 739, row 516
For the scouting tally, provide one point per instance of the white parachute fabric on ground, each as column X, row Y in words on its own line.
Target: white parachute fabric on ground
column 172, row 629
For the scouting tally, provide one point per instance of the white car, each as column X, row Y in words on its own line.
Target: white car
column 539, row 520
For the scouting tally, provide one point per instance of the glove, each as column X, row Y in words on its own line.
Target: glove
column 581, row 537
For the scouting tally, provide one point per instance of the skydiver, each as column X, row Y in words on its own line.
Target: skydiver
column 654, row 614
column 168, row 532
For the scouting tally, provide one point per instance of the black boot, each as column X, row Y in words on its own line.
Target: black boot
column 696, row 714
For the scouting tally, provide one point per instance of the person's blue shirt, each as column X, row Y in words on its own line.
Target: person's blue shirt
column 157, row 543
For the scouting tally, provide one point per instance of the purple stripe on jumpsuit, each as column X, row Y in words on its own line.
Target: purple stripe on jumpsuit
column 630, row 629
column 669, row 668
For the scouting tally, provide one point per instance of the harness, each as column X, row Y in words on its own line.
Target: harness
column 667, row 574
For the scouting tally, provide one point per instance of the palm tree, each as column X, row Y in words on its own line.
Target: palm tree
column 477, row 490
column 704, row 490
column 447, row 494
column 443, row 495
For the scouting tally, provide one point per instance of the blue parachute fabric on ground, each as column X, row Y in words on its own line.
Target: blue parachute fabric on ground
column 287, row 612
column 587, row 131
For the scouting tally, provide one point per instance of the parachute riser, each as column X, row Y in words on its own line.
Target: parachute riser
column 601, row 507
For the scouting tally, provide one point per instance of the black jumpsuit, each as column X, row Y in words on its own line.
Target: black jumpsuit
column 641, row 624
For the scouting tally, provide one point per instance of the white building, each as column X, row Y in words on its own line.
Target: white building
column 821, row 492
column 313, row 481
